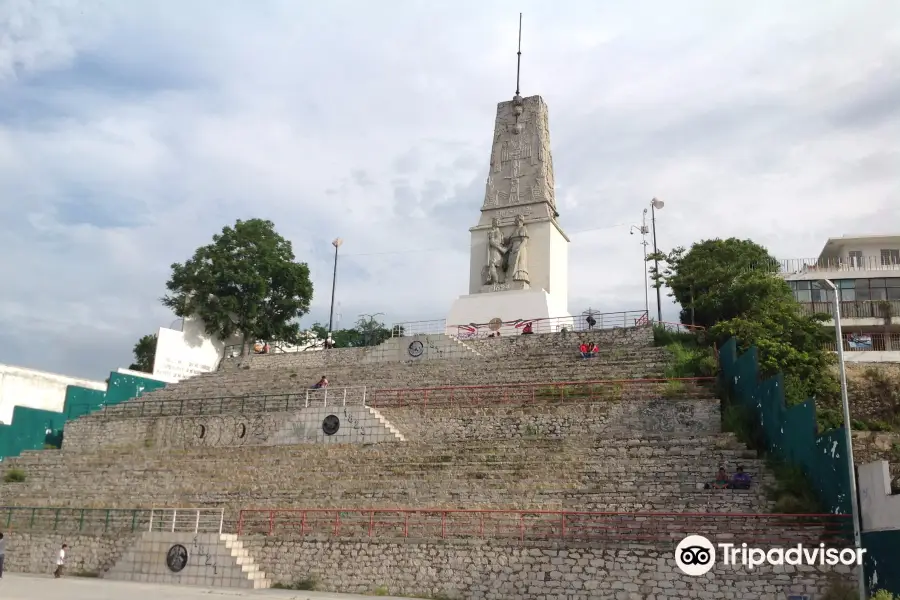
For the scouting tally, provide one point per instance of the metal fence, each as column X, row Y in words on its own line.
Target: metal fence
column 797, row 266
column 110, row 520
column 867, row 342
column 522, row 526
column 855, row 309
column 526, row 393
column 586, row 321
column 249, row 404
column 187, row 520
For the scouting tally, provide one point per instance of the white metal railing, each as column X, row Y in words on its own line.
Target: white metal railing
column 346, row 396
column 187, row 520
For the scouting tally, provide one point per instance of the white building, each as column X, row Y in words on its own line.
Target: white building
column 866, row 270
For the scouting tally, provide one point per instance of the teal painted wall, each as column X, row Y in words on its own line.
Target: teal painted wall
column 29, row 427
column 790, row 433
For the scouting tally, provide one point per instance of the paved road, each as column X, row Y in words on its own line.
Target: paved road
column 14, row 586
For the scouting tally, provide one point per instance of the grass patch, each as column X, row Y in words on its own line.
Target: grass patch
column 14, row 476
column 381, row 590
column 86, row 574
column 673, row 389
column 690, row 361
column 793, row 492
column 308, row 584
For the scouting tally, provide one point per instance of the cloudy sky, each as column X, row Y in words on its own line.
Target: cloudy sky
column 131, row 132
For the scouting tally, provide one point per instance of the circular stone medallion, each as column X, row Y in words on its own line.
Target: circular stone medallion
column 177, row 558
column 331, row 424
column 416, row 349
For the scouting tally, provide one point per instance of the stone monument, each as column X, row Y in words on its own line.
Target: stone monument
column 519, row 260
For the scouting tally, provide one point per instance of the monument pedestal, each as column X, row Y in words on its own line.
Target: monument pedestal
column 507, row 305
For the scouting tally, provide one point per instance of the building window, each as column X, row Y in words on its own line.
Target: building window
column 890, row 257
column 875, row 290
column 856, row 259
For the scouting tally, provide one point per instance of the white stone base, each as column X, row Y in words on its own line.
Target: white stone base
column 507, row 306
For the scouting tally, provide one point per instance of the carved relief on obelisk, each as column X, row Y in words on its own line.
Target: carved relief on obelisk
column 521, row 169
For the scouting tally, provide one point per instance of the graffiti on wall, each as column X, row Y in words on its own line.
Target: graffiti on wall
column 217, row 431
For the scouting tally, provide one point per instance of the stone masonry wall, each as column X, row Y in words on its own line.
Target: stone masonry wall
column 37, row 552
column 499, row 571
column 357, row 424
column 632, row 418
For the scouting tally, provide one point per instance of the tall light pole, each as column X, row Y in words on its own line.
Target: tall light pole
column 337, row 244
column 654, row 206
column 848, row 434
column 643, row 230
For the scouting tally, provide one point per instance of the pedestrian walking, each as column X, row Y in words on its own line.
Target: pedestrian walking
column 60, row 562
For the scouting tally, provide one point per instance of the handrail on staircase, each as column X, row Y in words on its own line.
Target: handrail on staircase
column 194, row 514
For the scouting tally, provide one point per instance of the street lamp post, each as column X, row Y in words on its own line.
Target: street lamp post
column 337, row 244
column 848, row 434
column 643, row 230
column 654, row 206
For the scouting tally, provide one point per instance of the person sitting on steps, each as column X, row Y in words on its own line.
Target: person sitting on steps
column 595, row 349
column 585, row 350
column 322, row 383
column 722, row 481
column 740, row 480
column 527, row 329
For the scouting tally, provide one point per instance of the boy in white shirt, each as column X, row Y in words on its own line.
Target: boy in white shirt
column 60, row 562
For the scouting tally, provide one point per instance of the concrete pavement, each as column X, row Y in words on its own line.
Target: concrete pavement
column 15, row 586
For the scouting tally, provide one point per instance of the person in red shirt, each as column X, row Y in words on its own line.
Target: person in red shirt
column 585, row 350
column 595, row 349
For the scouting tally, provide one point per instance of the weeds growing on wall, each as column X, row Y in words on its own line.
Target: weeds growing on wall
column 793, row 492
column 308, row 584
column 14, row 476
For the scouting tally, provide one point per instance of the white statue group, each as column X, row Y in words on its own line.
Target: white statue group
column 507, row 258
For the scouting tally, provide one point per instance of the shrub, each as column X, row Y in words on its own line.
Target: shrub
column 14, row 476
column 309, row 584
column 793, row 492
column 381, row 590
column 841, row 590
column 673, row 388
column 884, row 595
column 690, row 362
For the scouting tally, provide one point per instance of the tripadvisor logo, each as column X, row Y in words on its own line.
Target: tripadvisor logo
column 695, row 555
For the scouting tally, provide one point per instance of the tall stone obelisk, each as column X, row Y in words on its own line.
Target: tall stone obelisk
column 519, row 260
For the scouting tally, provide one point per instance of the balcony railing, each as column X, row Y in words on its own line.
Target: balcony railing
column 863, row 342
column 796, row 266
column 856, row 309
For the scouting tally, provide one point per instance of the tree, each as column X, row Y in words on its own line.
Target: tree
column 731, row 287
column 245, row 282
column 144, row 354
column 368, row 332
column 698, row 277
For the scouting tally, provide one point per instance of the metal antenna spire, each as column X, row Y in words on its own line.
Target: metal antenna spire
column 519, row 55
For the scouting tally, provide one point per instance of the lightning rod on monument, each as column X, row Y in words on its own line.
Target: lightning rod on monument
column 519, row 55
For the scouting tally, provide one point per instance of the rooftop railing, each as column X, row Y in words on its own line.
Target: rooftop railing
column 526, row 526
column 797, row 266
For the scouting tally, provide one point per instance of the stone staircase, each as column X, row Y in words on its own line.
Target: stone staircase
column 387, row 424
column 212, row 559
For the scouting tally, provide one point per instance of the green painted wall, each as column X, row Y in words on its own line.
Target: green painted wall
column 29, row 427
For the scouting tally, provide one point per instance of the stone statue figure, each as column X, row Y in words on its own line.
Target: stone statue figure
column 517, row 259
column 496, row 252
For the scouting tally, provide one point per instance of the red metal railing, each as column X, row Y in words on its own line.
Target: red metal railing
column 522, row 526
column 863, row 342
column 679, row 327
column 525, row 393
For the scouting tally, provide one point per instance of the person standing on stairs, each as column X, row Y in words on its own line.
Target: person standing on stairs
column 2, row 554
column 60, row 562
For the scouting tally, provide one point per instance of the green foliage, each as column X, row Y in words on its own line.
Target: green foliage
column 245, row 282
column 144, row 354
column 14, row 476
column 673, row 389
column 663, row 336
column 884, row 595
column 367, row 332
column 730, row 287
column 308, row 584
column 793, row 492
column 690, row 361
column 381, row 590
column 739, row 420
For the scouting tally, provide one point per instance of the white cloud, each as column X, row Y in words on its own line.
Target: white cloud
column 131, row 132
